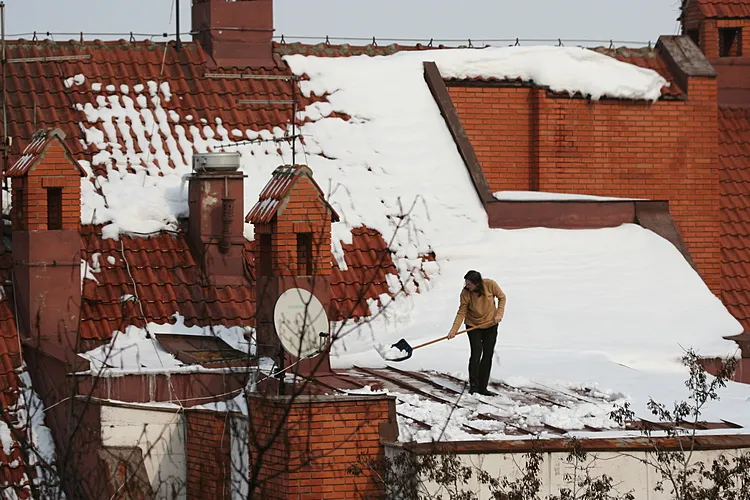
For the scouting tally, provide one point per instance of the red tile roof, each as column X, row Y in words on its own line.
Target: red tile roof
column 270, row 198
column 39, row 96
column 161, row 272
column 168, row 280
column 13, row 470
column 36, row 147
column 368, row 262
column 724, row 8
column 734, row 163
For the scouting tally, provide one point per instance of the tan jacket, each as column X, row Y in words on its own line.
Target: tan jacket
column 479, row 310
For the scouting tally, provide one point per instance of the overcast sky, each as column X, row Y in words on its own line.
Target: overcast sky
column 621, row 20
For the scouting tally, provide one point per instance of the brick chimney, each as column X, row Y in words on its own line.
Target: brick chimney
column 235, row 33
column 292, row 222
column 46, row 212
column 215, row 227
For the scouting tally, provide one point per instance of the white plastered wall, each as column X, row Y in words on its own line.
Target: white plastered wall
column 161, row 436
column 628, row 470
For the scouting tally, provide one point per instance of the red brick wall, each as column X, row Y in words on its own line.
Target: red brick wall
column 693, row 20
column 304, row 212
column 208, row 455
column 54, row 169
column 667, row 150
column 709, row 30
column 318, row 441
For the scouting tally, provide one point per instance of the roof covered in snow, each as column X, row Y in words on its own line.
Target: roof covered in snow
column 609, row 308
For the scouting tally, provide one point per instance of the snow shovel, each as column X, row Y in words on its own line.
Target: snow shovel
column 403, row 345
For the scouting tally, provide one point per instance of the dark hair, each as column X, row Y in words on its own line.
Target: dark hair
column 476, row 278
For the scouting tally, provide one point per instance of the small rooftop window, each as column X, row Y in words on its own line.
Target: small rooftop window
column 730, row 42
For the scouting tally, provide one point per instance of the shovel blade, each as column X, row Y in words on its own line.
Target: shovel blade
column 401, row 345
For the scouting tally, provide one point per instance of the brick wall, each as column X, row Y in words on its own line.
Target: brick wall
column 208, row 457
column 317, row 443
column 667, row 150
column 304, row 212
column 54, row 170
column 709, row 31
column 693, row 20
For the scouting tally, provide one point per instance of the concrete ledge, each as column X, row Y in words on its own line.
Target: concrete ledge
column 563, row 214
column 601, row 444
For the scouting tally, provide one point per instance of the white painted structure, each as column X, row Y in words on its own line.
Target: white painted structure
column 160, row 434
column 630, row 470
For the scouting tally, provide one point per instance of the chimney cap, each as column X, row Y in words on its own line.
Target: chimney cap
column 218, row 161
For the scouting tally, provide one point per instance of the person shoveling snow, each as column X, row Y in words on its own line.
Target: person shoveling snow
column 478, row 311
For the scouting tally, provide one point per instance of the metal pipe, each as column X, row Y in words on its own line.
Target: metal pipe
column 227, row 217
column 294, row 120
column 3, row 63
column 177, row 13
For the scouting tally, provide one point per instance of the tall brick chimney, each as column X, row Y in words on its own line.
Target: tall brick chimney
column 46, row 212
column 292, row 222
column 215, row 225
column 235, row 33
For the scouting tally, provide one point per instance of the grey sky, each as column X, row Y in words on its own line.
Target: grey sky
column 628, row 20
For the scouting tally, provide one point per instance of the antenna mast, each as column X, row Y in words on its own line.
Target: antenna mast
column 3, row 62
column 294, row 120
column 177, row 15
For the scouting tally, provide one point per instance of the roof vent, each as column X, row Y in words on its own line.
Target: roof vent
column 216, row 162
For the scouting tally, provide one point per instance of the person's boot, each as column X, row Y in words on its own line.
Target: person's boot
column 485, row 392
column 472, row 389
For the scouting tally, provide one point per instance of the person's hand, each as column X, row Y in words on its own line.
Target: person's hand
column 452, row 333
column 498, row 318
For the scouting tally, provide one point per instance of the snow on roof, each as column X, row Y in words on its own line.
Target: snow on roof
column 562, row 69
column 548, row 196
column 612, row 307
column 608, row 308
column 155, row 143
column 137, row 350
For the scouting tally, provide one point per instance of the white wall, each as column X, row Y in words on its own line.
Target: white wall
column 628, row 470
column 161, row 436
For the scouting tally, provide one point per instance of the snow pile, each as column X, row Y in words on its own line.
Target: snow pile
column 132, row 351
column 548, row 196
column 562, row 69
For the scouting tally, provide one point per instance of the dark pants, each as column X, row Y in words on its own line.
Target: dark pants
column 482, row 341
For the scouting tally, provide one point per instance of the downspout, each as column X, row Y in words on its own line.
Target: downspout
column 227, row 217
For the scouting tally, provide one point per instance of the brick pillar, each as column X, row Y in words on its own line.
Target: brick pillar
column 208, row 455
column 320, row 438
column 46, row 213
column 292, row 222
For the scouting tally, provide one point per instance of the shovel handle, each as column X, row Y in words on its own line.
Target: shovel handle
column 443, row 338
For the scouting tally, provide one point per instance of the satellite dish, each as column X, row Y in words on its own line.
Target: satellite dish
column 300, row 319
